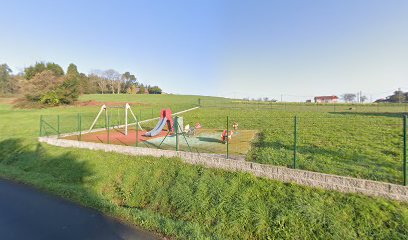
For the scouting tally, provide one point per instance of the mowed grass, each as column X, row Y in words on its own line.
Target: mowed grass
column 363, row 145
column 191, row 202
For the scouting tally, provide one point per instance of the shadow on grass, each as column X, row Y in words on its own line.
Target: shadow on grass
column 29, row 158
column 64, row 175
column 208, row 139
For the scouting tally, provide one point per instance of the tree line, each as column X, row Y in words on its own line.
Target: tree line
column 397, row 97
column 47, row 83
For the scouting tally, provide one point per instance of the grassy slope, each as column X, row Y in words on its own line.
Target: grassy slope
column 189, row 201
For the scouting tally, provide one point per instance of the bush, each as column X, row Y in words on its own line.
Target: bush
column 47, row 88
column 50, row 98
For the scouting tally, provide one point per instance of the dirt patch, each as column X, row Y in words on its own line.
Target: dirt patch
column 7, row 100
column 116, row 136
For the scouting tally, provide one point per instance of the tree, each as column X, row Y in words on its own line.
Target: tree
column 128, row 80
column 349, row 97
column 112, row 77
column 47, row 88
column 72, row 70
column 363, row 99
column 398, row 97
column 154, row 90
column 43, row 88
column 70, row 88
column 39, row 67
column 142, row 89
column 55, row 68
column 97, row 77
column 132, row 89
column 265, row 99
column 5, row 78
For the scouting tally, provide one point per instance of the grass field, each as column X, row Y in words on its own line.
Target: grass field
column 363, row 145
column 186, row 201
column 352, row 143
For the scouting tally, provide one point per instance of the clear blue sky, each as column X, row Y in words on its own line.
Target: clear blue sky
column 214, row 47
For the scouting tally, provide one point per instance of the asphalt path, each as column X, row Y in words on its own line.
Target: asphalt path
column 26, row 213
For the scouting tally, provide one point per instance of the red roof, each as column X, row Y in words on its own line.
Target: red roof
column 326, row 97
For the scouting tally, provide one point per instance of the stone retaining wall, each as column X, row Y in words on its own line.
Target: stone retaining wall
column 302, row 177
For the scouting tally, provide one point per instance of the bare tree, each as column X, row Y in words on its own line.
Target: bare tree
column 349, row 97
column 112, row 77
column 363, row 99
column 97, row 76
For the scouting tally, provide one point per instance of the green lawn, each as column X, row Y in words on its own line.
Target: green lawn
column 363, row 145
column 183, row 201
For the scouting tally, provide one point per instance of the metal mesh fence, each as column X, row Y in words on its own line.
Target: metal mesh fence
column 363, row 145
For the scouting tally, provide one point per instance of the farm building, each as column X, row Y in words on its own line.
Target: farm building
column 326, row 99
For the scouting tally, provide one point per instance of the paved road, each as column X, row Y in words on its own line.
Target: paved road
column 26, row 213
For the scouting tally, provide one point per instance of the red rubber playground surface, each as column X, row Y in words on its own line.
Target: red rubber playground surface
column 116, row 136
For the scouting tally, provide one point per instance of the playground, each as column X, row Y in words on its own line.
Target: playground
column 358, row 144
column 170, row 133
column 204, row 141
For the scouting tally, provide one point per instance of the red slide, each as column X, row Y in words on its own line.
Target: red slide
column 166, row 113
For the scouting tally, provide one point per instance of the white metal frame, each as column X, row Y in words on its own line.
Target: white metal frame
column 126, row 107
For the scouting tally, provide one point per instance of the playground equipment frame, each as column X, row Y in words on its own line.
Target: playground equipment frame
column 127, row 109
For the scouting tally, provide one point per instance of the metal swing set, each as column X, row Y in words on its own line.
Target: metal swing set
column 109, row 110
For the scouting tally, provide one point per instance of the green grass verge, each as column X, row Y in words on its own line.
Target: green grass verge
column 186, row 201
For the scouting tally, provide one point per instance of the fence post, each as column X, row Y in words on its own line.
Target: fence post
column 137, row 132
column 108, row 130
column 227, row 139
column 80, row 125
column 41, row 121
column 295, row 142
column 405, row 149
column 58, row 126
column 176, row 126
column 199, row 102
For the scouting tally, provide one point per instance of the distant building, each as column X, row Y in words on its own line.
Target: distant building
column 326, row 99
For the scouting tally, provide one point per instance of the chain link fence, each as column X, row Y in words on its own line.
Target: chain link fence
column 362, row 145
